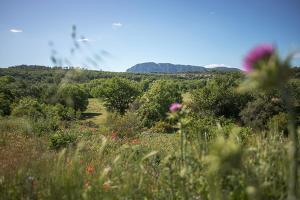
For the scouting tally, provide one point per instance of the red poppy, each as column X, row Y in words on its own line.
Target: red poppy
column 90, row 169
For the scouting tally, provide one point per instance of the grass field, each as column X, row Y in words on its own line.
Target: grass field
column 95, row 112
column 148, row 166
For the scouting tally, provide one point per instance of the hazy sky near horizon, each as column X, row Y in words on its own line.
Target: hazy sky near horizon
column 195, row 32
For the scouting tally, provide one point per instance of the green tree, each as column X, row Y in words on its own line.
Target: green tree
column 118, row 93
column 219, row 98
column 156, row 101
column 71, row 95
column 257, row 113
column 6, row 96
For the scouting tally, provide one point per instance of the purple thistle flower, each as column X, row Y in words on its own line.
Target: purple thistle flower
column 175, row 106
column 256, row 54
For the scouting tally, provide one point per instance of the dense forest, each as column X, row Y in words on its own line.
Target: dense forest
column 71, row 133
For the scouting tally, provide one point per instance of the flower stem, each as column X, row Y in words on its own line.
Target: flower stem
column 293, row 151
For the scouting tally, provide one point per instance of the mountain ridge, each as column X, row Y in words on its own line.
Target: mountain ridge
column 152, row 67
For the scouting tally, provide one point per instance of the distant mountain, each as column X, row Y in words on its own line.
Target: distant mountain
column 221, row 68
column 151, row 67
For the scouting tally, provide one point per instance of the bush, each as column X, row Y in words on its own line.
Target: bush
column 219, row 98
column 30, row 108
column 279, row 123
column 156, row 101
column 71, row 95
column 5, row 105
column 42, row 117
column 62, row 139
column 6, row 98
column 125, row 126
column 163, row 127
column 205, row 128
column 257, row 113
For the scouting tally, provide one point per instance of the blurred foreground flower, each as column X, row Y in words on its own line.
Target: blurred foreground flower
column 87, row 184
column 266, row 71
column 90, row 169
column 257, row 54
column 135, row 141
column 106, row 185
column 114, row 135
column 175, row 106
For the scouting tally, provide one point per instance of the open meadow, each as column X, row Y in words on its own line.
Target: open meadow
column 117, row 137
column 149, row 100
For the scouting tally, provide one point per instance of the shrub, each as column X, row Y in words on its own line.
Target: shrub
column 156, row 101
column 257, row 113
column 42, row 117
column 125, row 126
column 71, row 95
column 6, row 97
column 66, row 113
column 62, row 139
column 30, row 108
column 219, row 98
column 163, row 127
column 5, row 105
column 205, row 128
column 279, row 123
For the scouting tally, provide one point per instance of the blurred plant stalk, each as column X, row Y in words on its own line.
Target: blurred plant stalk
column 266, row 71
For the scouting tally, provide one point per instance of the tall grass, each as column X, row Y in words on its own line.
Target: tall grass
column 226, row 167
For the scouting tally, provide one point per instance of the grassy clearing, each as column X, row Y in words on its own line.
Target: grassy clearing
column 150, row 166
column 95, row 112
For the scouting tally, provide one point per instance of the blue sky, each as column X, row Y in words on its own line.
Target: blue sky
column 195, row 32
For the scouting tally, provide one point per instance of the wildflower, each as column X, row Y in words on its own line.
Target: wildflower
column 175, row 106
column 69, row 162
column 113, row 135
column 90, row 169
column 106, row 185
column 32, row 181
column 30, row 178
column 86, row 184
column 135, row 141
column 258, row 53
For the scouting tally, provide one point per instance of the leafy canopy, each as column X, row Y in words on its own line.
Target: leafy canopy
column 118, row 93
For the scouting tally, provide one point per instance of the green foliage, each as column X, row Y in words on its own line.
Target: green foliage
column 15, row 125
column 5, row 104
column 71, row 95
column 42, row 117
column 94, row 86
column 156, row 101
column 219, row 98
column 279, row 123
column 257, row 113
column 62, row 139
column 219, row 159
column 117, row 94
column 124, row 126
column 6, row 96
column 30, row 108
column 206, row 128
column 163, row 127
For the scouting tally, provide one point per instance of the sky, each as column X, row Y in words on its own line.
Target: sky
column 114, row 35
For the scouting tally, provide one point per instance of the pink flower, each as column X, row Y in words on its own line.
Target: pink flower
column 175, row 106
column 114, row 135
column 259, row 52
